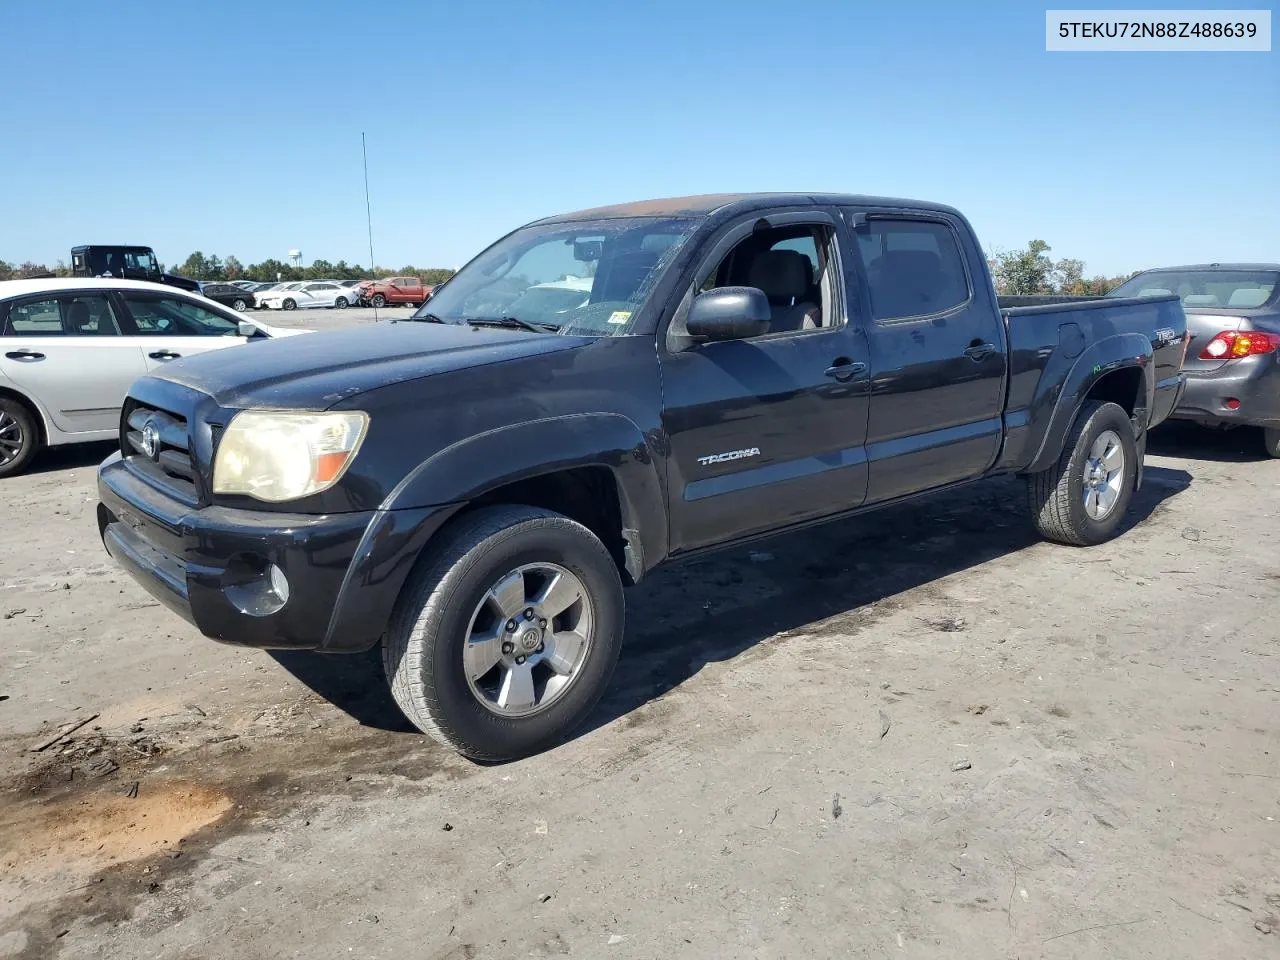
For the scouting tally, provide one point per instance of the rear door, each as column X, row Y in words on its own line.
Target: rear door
column 66, row 352
column 167, row 327
column 938, row 355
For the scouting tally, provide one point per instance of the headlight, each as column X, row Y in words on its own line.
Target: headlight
column 278, row 455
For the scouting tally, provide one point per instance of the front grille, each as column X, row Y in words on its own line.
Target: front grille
column 156, row 445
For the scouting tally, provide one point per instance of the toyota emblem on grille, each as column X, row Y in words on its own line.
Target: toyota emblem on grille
column 151, row 439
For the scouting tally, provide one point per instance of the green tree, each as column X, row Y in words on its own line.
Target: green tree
column 232, row 267
column 195, row 266
column 7, row 270
column 1024, row 272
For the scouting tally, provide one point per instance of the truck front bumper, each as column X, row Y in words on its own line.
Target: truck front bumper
column 263, row 579
column 1253, row 382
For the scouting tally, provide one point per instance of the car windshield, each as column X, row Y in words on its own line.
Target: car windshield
column 586, row 277
column 1204, row 288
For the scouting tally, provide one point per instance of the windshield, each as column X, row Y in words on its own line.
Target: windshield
column 142, row 262
column 1204, row 288
column 586, row 277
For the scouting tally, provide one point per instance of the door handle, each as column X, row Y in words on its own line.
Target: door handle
column 845, row 369
column 164, row 355
column 979, row 350
column 26, row 356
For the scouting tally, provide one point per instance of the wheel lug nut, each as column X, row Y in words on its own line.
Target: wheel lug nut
column 528, row 614
column 519, row 659
column 541, row 647
column 508, row 647
column 542, row 623
column 511, row 626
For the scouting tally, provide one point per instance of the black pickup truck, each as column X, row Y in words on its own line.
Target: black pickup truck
column 593, row 395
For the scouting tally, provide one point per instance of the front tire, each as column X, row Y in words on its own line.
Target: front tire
column 289, row 305
column 19, row 437
column 1271, row 440
column 239, row 306
column 378, row 300
column 459, row 671
column 341, row 303
column 1082, row 498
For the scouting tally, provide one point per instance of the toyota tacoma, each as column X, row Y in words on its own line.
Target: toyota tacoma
column 472, row 488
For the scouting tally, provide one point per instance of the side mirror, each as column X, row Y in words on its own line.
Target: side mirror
column 729, row 313
column 247, row 329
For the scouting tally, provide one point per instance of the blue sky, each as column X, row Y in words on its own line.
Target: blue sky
column 235, row 127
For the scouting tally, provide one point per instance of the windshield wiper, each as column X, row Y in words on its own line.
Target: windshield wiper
column 429, row 317
column 513, row 323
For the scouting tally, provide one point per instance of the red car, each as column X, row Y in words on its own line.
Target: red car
column 406, row 290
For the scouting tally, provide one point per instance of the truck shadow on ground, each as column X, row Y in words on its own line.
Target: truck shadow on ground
column 710, row 610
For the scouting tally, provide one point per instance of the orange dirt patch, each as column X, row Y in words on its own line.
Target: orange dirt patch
column 88, row 832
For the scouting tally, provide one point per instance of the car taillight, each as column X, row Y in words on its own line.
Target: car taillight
column 1232, row 345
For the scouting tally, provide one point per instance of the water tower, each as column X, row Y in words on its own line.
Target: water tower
column 295, row 257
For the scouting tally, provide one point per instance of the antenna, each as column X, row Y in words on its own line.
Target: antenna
column 368, row 212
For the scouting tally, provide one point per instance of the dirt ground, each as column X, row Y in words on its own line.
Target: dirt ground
column 918, row 734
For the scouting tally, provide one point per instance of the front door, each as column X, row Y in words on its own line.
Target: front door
column 938, row 360
column 167, row 327
column 769, row 431
column 66, row 352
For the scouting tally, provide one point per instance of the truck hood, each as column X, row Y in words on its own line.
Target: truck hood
column 316, row 371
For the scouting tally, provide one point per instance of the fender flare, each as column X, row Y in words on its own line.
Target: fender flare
column 1122, row 351
column 477, row 465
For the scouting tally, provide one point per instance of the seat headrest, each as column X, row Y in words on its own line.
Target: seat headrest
column 1200, row 300
column 781, row 274
column 78, row 317
column 906, row 283
column 625, row 274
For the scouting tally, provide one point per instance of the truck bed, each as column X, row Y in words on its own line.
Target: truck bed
column 1053, row 341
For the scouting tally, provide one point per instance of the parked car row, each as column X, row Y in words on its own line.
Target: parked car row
column 72, row 346
column 243, row 295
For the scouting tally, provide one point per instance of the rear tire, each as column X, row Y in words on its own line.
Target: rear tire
column 1080, row 500
column 430, row 649
column 20, row 438
column 1271, row 440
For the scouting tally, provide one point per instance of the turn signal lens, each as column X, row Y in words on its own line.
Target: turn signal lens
column 1232, row 345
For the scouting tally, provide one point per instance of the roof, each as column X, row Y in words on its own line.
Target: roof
column 20, row 288
column 1215, row 266
column 707, row 204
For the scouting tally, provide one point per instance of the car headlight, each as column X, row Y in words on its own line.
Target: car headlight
column 279, row 455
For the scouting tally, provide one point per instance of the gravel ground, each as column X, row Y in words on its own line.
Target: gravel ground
column 919, row 734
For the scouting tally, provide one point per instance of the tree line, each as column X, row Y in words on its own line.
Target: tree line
column 213, row 268
column 201, row 267
column 1029, row 271
column 1025, row 271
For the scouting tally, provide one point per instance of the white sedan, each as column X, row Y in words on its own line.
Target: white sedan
column 70, row 347
column 320, row 293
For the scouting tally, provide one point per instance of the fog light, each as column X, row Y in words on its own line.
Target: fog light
column 1233, row 403
column 255, row 586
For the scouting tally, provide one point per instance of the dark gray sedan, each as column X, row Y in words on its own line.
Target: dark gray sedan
column 1233, row 359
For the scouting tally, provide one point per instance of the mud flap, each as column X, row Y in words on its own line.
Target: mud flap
column 1142, row 461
